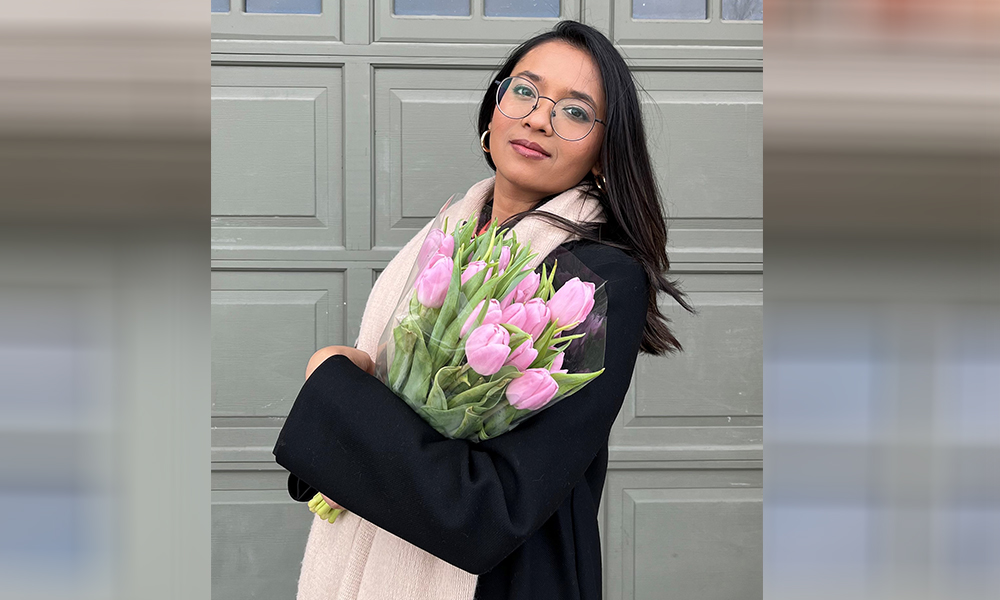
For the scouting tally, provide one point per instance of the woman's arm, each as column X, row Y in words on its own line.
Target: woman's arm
column 470, row 504
column 360, row 358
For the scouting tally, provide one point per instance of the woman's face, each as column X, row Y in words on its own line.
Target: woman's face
column 558, row 70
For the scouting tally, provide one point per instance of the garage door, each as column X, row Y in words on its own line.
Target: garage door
column 320, row 172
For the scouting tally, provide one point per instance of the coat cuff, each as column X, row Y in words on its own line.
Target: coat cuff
column 299, row 490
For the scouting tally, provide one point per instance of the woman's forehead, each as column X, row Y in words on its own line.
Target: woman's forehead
column 559, row 68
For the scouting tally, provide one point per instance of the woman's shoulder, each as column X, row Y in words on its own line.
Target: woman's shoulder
column 625, row 280
column 609, row 262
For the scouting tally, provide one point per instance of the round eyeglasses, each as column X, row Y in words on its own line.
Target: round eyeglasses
column 572, row 118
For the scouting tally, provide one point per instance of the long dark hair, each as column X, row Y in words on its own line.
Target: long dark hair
column 631, row 198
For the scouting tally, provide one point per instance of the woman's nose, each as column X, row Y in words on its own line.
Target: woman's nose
column 540, row 118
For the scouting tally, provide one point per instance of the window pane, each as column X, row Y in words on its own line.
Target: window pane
column 286, row 7
column 743, row 10
column 220, row 5
column 448, row 8
column 522, row 8
column 670, row 9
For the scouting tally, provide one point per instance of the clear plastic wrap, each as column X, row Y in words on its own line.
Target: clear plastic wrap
column 479, row 342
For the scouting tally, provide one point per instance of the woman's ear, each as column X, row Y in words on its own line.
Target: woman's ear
column 595, row 170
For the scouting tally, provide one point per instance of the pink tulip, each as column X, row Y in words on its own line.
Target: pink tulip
column 447, row 246
column 432, row 245
column 514, row 315
column 504, row 259
column 522, row 356
column 487, row 348
column 432, row 284
column 493, row 314
column 473, row 268
column 536, row 317
column 572, row 302
column 532, row 390
column 524, row 290
column 557, row 363
column 436, row 243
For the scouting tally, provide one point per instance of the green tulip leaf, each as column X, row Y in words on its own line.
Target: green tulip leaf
column 455, row 423
column 418, row 383
column 444, row 379
column 404, row 339
column 570, row 383
column 498, row 422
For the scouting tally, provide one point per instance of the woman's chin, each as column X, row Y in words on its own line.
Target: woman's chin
column 527, row 184
column 533, row 179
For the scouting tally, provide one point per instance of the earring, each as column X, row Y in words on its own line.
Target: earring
column 600, row 181
column 482, row 141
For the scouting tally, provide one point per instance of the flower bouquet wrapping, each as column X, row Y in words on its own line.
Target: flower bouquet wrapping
column 479, row 342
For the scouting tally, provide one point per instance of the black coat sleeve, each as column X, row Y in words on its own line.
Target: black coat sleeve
column 470, row 504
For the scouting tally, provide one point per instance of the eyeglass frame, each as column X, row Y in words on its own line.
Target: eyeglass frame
column 554, row 104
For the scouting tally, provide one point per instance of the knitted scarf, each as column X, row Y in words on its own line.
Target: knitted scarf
column 354, row 559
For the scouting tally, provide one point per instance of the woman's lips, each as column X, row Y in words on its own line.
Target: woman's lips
column 528, row 152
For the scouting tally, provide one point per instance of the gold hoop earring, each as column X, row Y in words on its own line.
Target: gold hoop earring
column 600, row 181
column 482, row 141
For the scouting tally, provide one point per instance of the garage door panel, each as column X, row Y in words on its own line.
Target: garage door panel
column 277, row 162
column 265, row 326
column 426, row 145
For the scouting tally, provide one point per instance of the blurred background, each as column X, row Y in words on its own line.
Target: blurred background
column 104, row 328
column 882, row 328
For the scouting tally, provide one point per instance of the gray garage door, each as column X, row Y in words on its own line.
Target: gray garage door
column 320, row 171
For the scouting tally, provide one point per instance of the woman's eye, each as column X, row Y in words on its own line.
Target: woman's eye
column 577, row 113
column 524, row 91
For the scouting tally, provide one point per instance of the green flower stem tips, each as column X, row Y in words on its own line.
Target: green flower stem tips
column 319, row 506
column 545, row 288
column 545, row 339
column 545, row 356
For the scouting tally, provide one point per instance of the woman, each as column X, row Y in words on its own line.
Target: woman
column 514, row 517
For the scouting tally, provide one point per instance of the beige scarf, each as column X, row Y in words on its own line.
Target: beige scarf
column 354, row 559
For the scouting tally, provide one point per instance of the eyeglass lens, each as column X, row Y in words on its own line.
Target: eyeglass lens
column 572, row 119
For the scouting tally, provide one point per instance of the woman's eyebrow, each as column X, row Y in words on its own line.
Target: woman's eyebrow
column 574, row 93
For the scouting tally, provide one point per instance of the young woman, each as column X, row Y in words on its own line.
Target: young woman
column 514, row 517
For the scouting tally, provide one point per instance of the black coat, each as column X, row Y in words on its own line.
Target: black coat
column 519, row 510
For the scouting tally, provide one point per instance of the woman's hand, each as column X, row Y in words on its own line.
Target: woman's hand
column 358, row 357
column 332, row 504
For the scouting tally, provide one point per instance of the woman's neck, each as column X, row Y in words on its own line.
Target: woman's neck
column 508, row 200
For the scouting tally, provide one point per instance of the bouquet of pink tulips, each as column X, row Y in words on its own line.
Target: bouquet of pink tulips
column 477, row 343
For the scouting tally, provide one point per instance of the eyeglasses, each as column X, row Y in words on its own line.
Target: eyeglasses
column 572, row 119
